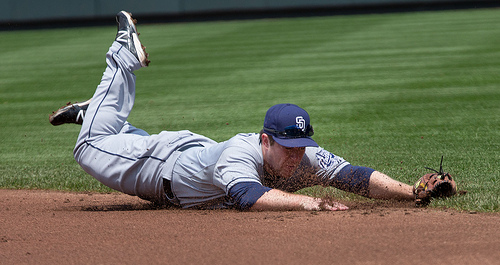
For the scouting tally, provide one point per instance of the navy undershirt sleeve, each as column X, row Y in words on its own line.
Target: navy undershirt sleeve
column 353, row 179
column 245, row 194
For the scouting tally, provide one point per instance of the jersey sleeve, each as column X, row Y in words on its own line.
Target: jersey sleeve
column 325, row 164
column 246, row 194
column 354, row 179
column 337, row 172
column 239, row 162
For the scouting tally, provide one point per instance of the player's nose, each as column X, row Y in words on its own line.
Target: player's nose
column 296, row 154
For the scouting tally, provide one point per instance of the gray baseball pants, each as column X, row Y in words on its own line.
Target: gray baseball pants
column 117, row 154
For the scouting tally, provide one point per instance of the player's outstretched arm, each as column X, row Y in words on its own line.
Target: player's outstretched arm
column 277, row 200
column 383, row 187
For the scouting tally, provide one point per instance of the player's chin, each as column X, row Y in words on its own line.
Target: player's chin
column 288, row 171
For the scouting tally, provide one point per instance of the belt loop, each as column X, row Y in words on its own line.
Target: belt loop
column 186, row 147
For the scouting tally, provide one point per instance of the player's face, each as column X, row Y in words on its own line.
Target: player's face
column 283, row 161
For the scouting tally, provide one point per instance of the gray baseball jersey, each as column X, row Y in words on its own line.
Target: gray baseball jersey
column 201, row 171
column 204, row 175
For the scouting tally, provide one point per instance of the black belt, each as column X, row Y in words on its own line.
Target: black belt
column 168, row 188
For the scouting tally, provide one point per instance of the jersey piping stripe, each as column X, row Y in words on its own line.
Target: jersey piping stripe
column 93, row 118
column 107, row 92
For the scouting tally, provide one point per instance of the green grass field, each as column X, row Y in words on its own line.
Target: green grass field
column 394, row 92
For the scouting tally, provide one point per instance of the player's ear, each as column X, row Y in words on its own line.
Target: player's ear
column 265, row 140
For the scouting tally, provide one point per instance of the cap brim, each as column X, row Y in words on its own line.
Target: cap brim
column 295, row 142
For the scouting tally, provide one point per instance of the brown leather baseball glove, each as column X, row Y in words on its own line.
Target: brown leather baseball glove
column 434, row 185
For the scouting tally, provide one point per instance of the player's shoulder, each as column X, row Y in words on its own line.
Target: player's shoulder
column 241, row 149
column 245, row 139
column 244, row 142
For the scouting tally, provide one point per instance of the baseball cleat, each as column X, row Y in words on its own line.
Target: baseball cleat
column 71, row 113
column 128, row 37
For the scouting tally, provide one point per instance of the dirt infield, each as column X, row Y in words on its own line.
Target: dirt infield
column 47, row 227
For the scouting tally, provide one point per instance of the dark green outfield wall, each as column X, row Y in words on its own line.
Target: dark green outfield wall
column 49, row 10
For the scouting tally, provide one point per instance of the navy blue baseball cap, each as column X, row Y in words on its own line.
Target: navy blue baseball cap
column 289, row 125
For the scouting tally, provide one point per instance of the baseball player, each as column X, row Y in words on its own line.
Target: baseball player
column 255, row 171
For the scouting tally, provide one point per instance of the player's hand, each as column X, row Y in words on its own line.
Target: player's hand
column 325, row 204
column 330, row 205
